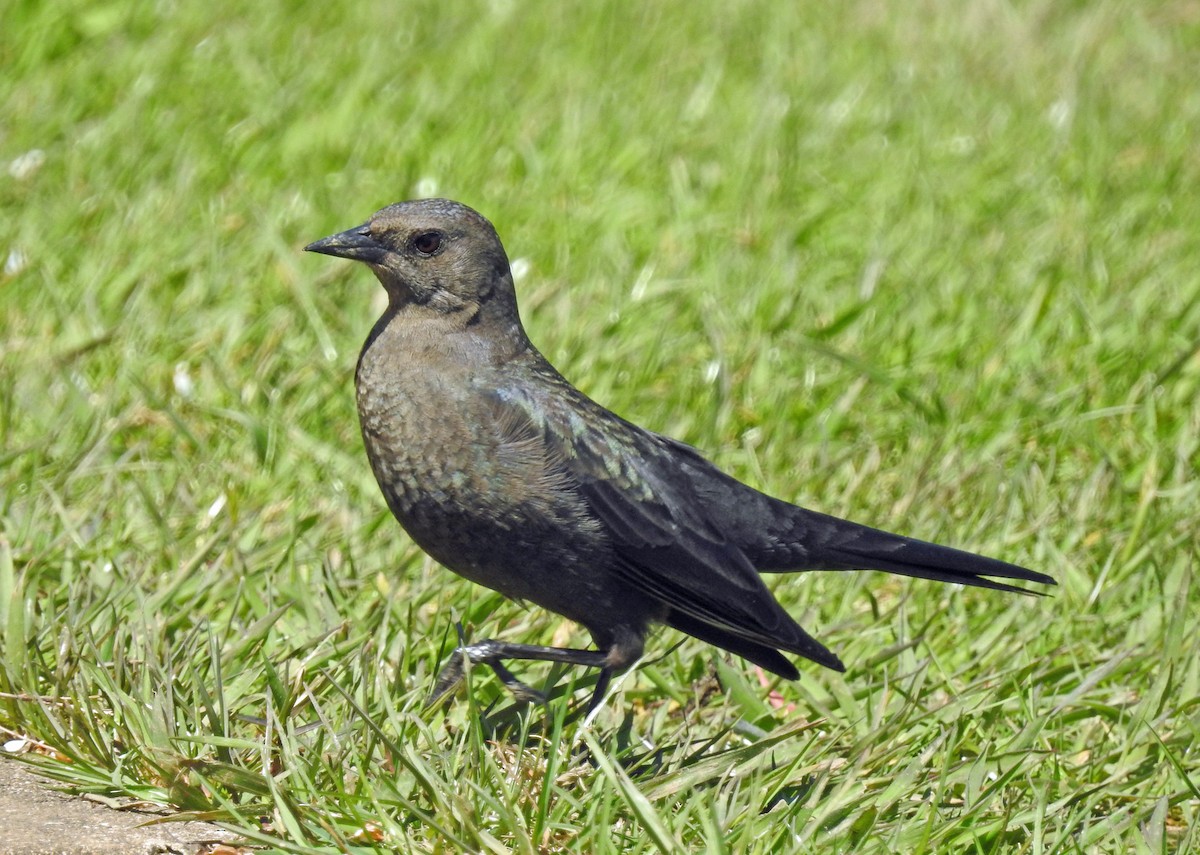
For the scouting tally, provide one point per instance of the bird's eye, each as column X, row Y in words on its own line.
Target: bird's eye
column 427, row 243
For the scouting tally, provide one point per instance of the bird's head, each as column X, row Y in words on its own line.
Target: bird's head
column 433, row 253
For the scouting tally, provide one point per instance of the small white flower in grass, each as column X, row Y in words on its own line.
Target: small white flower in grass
column 427, row 187
column 870, row 278
column 642, row 282
column 183, row 381
column 1059, row 114
column 16, row 746
column 216, row 507
column 15, row 263
column 520, row 269
column 712, row 371
column 25, row 165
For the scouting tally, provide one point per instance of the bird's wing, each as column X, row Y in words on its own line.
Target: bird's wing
column 665, row 543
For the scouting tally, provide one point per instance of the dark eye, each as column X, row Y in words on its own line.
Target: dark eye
column 427, row 243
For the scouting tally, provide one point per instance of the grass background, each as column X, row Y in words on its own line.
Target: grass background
column 930, row 266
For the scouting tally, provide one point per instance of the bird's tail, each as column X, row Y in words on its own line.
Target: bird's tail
column 836, row 544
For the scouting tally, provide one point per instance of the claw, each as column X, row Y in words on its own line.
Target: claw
column 520, row 691
column 449, row 678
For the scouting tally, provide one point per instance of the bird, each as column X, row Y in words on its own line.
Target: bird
column 505, row 473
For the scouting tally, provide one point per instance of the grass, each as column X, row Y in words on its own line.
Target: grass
column 929, row 267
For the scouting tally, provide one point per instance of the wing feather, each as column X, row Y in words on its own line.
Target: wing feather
column 665, row 544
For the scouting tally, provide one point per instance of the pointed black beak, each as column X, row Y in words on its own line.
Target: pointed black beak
column 355, row 244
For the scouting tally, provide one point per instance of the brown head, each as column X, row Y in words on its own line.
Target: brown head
column 433, row 253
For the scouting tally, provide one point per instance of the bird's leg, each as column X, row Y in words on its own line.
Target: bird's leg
column 491, row 652
column 601, row 687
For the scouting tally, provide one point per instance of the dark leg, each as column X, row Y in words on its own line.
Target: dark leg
column 491, row 652
column 601, row 687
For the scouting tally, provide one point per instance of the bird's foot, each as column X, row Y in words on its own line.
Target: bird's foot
column 491, row 652
column 455, row 669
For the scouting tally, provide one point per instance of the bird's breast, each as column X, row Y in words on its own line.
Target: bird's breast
column 416, row 427
column 476, row 494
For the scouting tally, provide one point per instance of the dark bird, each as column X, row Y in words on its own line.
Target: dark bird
column 511, row 477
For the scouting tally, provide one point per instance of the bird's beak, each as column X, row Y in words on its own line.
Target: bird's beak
column 355, row 244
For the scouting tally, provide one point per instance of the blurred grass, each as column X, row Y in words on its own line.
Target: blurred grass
column 931, row 267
